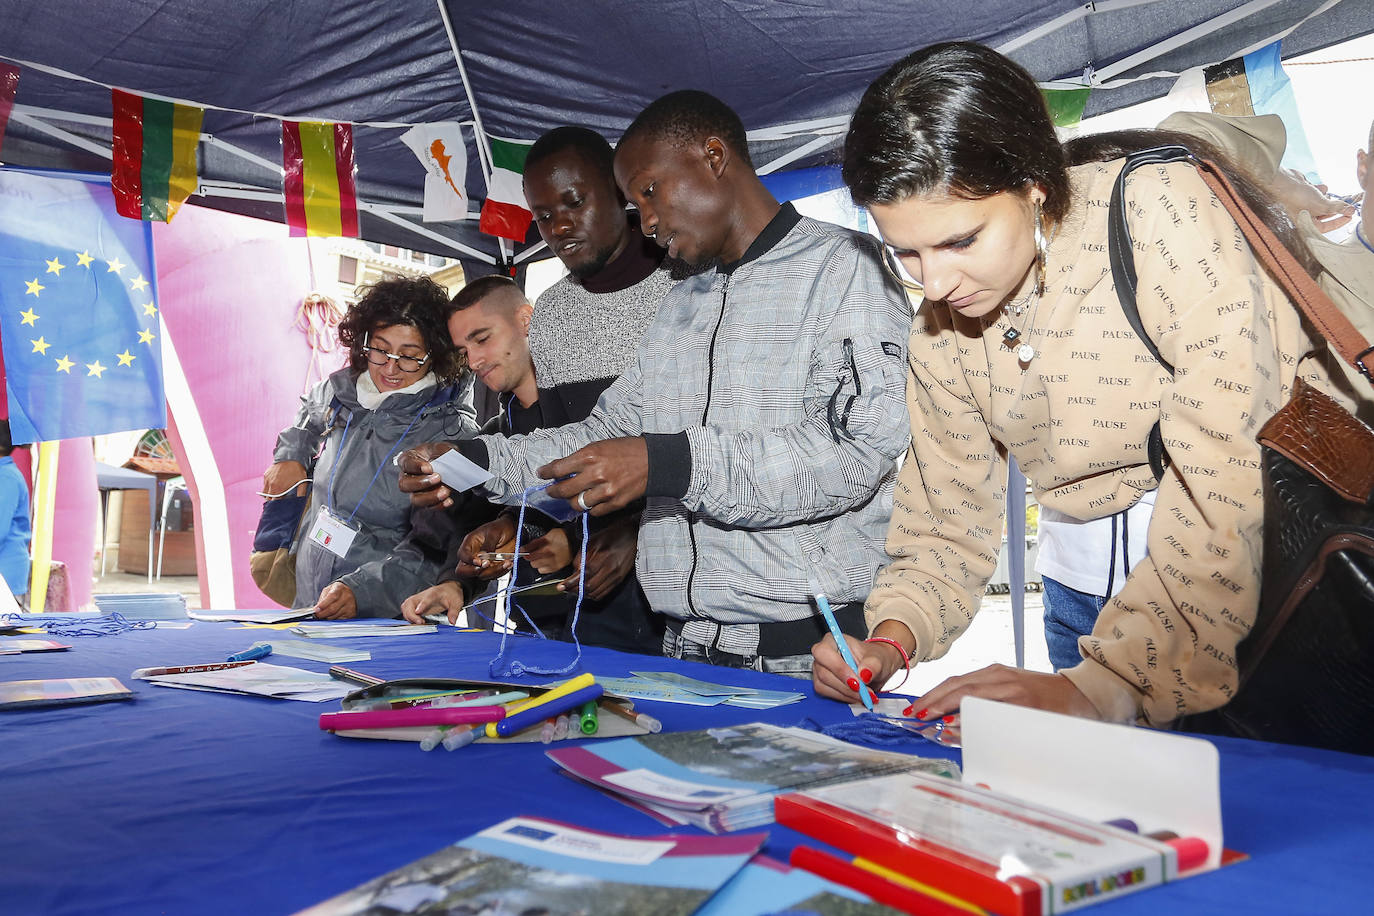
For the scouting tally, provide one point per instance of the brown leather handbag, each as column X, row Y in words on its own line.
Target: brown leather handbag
column 1307, row 665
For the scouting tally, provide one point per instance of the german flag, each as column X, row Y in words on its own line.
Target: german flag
column 153, row 168
column 317, row 162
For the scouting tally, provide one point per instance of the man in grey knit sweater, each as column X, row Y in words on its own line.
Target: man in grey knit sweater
column 583, row 334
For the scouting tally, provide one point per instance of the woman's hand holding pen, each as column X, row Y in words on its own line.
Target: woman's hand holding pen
column 281, row 477
column 418, row 477
column 832, row 678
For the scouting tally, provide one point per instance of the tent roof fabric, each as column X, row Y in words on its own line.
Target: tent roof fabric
column 794, row 70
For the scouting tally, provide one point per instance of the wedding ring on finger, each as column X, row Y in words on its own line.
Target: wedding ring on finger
column 582, row 502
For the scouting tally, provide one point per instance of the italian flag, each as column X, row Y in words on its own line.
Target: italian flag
column 504, row 212
column 317, row 166
column 153, row 167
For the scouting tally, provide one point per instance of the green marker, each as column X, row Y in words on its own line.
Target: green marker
column 589, row 717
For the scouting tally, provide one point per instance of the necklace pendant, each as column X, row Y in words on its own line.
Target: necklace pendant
column 1025, row 353
column 1010, row 336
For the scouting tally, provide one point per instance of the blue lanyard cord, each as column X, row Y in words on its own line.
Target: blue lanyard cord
column 334, row 468
column 1359, row 234
column 500, row 667
column 105, row 625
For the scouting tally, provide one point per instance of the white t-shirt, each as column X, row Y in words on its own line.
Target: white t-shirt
column 1078, row 553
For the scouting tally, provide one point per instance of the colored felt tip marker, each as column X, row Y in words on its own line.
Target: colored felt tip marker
column 460, row 736
column 533, row 715
column 563, row 689
column 587, row 718
column 259, row 650
column 642, row 719
column 865, row 694
column 430, row 741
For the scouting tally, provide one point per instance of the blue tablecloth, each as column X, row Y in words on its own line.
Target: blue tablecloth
column 182, row 802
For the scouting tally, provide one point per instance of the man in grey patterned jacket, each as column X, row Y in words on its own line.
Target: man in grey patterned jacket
column 761, row 420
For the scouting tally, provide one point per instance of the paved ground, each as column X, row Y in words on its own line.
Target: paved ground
column 988, row 641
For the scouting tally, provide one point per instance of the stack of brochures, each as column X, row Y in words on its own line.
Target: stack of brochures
column 62, row 691
column 252, row 678
column 144, row 606
column 724, row 779
column 370, row 628
column 277, row 616
column 670, row 687
column 532, row 865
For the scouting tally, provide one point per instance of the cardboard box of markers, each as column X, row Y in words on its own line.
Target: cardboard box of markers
column 1053, row 813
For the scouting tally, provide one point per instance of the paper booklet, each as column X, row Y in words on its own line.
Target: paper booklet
column 254, row 678
column 63, row 691
column 532, row 865
column 372, row 628
column 277, row 616
column 724, row 779
column 767, row 886
column 15, row 645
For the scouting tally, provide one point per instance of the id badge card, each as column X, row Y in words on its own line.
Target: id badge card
column 333, row 533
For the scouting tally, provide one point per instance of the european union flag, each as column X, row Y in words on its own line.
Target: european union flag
column 78, row 311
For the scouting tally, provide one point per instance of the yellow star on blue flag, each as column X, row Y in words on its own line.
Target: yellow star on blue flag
column 86, row 315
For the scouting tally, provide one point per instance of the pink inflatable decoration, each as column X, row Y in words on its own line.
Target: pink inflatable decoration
column 230, row 287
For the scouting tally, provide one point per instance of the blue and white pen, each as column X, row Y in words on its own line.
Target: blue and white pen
column 257, row 650
column 865, row 694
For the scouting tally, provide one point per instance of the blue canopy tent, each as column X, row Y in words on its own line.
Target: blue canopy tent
column 794, row 70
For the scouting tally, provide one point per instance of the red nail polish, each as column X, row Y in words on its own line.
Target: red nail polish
column 853, row 685
column 949, row 719
column 922, row 713
column 907, row 711
column 865, row 675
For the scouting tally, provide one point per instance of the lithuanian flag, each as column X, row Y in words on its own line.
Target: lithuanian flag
column 154, row 157
column 317, row 161
column 504, row 212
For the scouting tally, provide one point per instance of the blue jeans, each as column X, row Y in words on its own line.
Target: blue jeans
column 1069, row 614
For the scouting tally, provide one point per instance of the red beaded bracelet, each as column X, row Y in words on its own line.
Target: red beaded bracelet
column 906, row 658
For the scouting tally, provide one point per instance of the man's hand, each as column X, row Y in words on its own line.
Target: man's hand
column 549, row 553
column 444, row 598
column 831, row 677
column 610, row 475
column 496, row 536
column 419, row 479
column 278, row 480
column 336, row 603
column 610, row 558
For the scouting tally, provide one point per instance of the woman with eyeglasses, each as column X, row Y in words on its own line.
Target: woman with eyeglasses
column 404, row 383
column 1021, row 347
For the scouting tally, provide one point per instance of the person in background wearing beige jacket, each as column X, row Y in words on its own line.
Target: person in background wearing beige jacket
column 1021, row 347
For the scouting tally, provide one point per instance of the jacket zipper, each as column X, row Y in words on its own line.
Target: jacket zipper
column 710, row 380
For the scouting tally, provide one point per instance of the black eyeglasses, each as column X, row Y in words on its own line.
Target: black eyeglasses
column 380, row 357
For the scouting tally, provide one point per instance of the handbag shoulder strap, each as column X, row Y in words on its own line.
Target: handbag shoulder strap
column 1304, row 292
column 1122, row 260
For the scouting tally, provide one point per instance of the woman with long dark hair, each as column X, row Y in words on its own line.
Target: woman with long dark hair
column 404, row 383
column 1022, row 348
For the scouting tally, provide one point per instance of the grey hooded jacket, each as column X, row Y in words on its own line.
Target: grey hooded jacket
column 358, row 445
